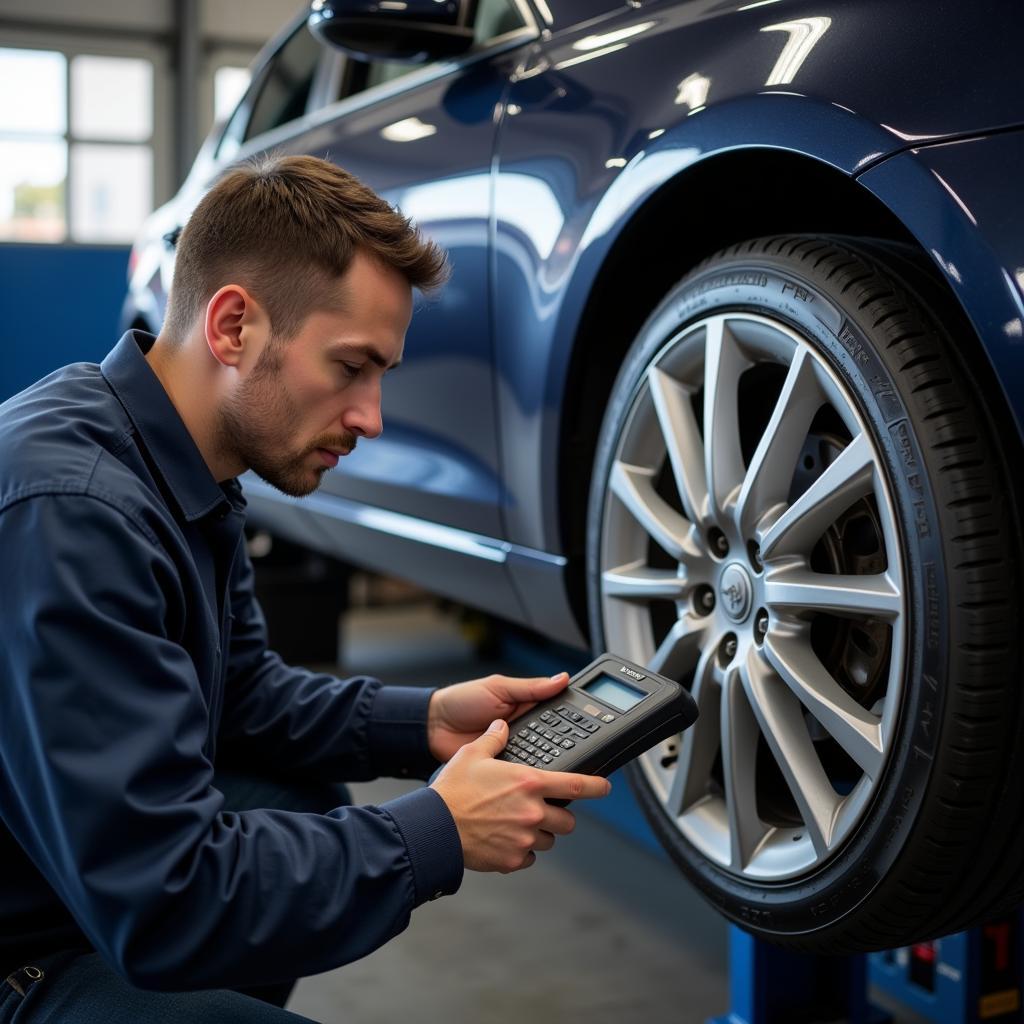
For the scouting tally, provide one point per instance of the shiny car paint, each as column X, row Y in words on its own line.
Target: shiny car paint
column 572, row 156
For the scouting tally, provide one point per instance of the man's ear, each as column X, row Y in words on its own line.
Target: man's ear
column 236, row 326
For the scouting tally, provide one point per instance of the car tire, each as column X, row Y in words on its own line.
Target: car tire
column 799, row 508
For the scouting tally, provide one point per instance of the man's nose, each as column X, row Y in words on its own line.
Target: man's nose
column 364, row 419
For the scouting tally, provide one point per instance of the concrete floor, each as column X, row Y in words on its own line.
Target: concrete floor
column 598, row 930
column 601, row 930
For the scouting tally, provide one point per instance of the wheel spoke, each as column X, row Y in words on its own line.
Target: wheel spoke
column 678, row 652
column 850, row 477
column 682, row 441
column 768, row 478
column 869, row 596
column 779, row 702
column 723, row 459
column 699, row 745
column 634, row 486
column 639, row 582
column 854, row 728
column 739, row 770
column 780, row 717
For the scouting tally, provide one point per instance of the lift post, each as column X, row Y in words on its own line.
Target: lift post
column 972, row 977
column 770, row 985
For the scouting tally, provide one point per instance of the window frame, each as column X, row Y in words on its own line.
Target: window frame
column 160, row 141
column 262, row 66
column 214, row 58
column 321, row 110
column 272, row 68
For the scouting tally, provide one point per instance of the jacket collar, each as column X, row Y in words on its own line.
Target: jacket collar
column 162, row 430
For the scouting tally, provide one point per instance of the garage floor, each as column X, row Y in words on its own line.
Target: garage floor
column 599, row 931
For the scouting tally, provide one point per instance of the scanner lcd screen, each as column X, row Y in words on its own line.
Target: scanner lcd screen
column 614, row 692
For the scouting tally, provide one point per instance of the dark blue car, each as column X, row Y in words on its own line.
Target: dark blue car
column 727, row 380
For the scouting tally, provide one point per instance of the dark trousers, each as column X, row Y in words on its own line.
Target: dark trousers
column 79, row 988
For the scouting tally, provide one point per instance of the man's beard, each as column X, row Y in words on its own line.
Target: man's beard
column 253, row 426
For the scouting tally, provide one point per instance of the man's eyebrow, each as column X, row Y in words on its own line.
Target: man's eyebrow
column 365, row 350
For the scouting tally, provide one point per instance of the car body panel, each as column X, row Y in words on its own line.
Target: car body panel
column 704, row 80
column 532, row 162
column 438, row 456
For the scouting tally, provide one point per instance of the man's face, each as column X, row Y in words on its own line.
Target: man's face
column 307, row 400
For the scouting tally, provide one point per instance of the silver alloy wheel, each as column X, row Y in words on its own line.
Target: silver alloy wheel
column 734, row 546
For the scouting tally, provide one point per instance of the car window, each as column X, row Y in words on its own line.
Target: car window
column 493, row 18
column 279, row 94
column 285, row 88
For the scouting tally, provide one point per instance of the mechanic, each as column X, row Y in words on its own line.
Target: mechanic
column 138, row 693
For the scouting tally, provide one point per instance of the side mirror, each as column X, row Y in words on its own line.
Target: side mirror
column 414, row 31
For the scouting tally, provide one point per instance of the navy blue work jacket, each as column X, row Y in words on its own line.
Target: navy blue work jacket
column 131, row 648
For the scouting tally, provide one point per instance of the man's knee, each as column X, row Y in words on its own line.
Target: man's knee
column 82, row 987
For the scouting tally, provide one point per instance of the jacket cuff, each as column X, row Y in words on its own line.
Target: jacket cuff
column 432, row 841
column 398, row 732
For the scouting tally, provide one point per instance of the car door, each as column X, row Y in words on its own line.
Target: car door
column 423, row 137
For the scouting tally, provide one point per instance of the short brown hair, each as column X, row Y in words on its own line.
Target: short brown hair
column 286, row 227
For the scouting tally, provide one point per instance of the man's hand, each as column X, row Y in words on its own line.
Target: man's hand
column 459, row 713
column 500, row 808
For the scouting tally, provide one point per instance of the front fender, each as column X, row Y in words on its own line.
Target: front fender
column 961, row 202
column 557, row 219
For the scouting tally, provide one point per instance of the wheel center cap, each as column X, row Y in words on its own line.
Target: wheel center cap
column 736, row 592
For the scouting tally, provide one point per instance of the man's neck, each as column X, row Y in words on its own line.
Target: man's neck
column 191, row 391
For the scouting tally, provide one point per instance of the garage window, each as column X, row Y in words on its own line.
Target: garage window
column 33, row 145
column 76, row 146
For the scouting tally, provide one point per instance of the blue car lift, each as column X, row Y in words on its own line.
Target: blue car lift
column 973, row 977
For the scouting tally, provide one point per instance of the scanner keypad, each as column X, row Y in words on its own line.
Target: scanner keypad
column 544, row 739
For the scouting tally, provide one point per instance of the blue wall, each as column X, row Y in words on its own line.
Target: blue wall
column 58, row 304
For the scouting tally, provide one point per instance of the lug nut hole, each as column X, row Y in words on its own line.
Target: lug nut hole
column 727, row 649
column 717, row 543
column 760, row 625
column 754, row 554
column 704, row 600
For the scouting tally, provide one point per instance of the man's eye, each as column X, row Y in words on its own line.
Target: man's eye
column 351, row 369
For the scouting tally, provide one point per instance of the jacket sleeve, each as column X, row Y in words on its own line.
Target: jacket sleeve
column 106, row 785
column 347, row 730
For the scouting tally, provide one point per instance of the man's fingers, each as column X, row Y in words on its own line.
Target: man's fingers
column 558, row 821
column 520, row 691
column 492, row 742
column 544, row 841
column 569, row 786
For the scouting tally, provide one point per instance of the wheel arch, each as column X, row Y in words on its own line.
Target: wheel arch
column 753, row 193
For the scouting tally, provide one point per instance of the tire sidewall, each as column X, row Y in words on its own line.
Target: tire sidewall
column 765, row 284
